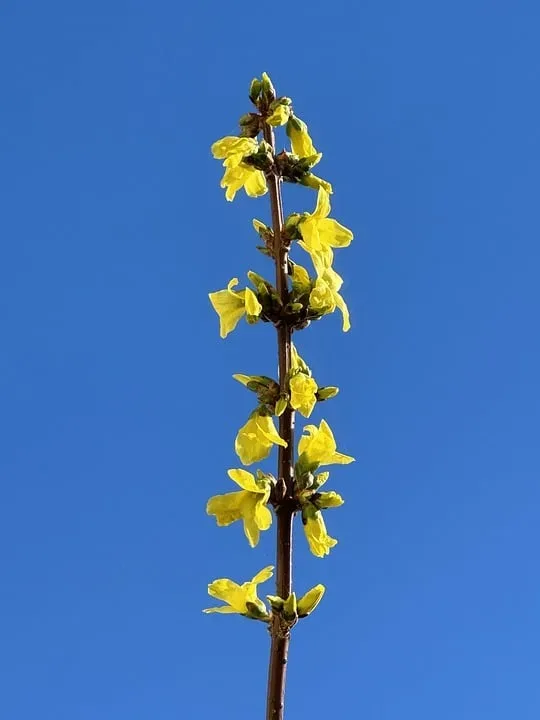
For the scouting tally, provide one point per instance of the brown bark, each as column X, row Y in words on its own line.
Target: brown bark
column 284, row 503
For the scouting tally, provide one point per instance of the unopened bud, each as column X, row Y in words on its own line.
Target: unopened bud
column 310, row 600
column 325, row 393
column 255, row 90
column 289, row 607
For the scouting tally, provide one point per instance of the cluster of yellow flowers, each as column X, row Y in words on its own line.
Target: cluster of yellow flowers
column 248, row 164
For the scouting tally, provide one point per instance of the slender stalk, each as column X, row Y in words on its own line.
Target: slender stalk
column 280, row 636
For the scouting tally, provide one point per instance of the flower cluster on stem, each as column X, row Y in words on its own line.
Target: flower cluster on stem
column 291, row 302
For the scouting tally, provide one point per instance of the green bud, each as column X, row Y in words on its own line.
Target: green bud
column 268, row 90
column 289, row 607
column 263, row 230
column 281, row 405
column 255, row 90
column 281, row 101
column 276, row 603
column 249, row 125
column 291, row 226
column 257, row 612
column 257, row 280
column 325, row 393
column 310, row 600
column 292, row 308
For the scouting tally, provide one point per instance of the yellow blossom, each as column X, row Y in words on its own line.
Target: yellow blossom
column 321, row 298
column 319, row 446
column 301, row 142
column 248, row 504
column 325, row 296
column 319, row 540
column 240, row 599
column 232, row 150
column 319, row 232
column 303, row 393
column 231, row 305
column 303, row 387
column 255, row 439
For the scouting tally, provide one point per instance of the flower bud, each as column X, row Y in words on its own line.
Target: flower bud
column 268, row 91
column 325, row 393
column 310, row 600
column 249, row 125
column 276, row 603
column 289, row 607
column 255, row 90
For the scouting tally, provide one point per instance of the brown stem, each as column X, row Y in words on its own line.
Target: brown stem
column 284, row 503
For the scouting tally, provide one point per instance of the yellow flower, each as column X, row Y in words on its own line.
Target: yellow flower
column 301, row 142
column 255, row 439
column 232, row 150
column 319, row 232
column 303, row 393
column 319, row 540
column 321, row 298
column 248, row 504
column 240, row 599
column 231, row 305
column 325, row 296
column 319, row 446
column 302, row 386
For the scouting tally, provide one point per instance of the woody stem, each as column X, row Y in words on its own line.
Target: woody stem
column 283, row 497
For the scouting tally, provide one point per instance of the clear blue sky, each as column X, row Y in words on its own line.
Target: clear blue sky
column 118, row 409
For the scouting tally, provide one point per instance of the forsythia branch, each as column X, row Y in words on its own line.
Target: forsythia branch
column 296, row 300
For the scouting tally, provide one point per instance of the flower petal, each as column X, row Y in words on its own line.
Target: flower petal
column 245, row 479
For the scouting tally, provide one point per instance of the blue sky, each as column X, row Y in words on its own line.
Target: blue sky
column 118, row 407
